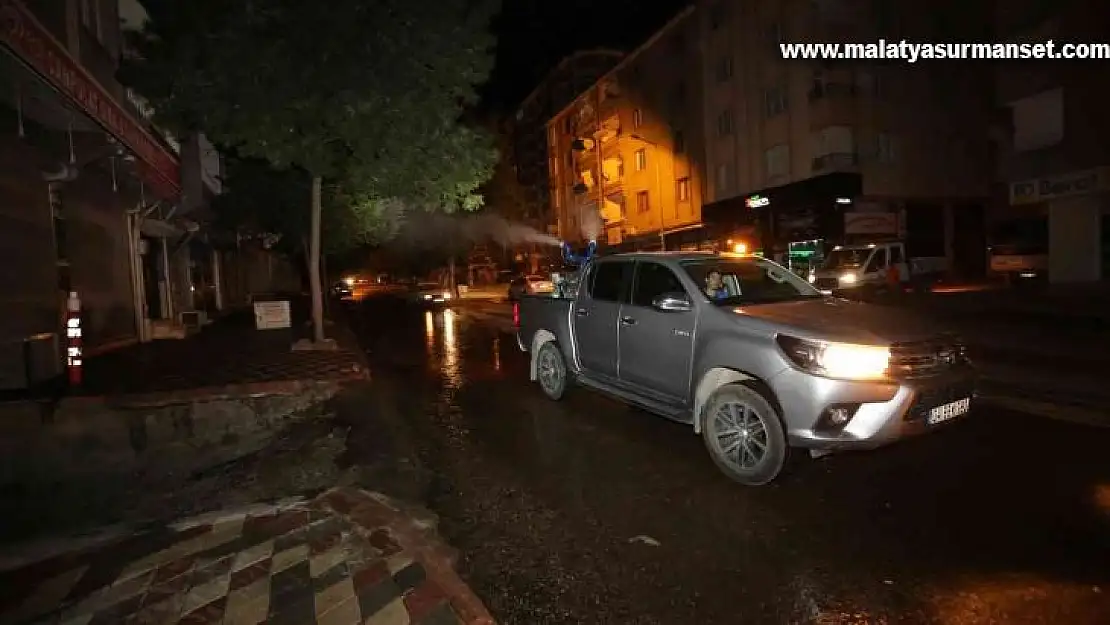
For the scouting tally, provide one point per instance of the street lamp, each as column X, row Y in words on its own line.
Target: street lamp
column 658, row 166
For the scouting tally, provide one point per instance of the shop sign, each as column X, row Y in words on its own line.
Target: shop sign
column 1064, row 185
column 31, row 42
column 757, row 201
column 856, row 222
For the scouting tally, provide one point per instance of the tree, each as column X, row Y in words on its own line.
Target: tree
column 364, row 97
column 261, row 200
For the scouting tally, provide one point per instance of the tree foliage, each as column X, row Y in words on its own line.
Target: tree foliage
column 366, row 95
column 259, row 199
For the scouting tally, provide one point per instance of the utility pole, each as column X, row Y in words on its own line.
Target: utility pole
column 657, row 165
column 600, row 161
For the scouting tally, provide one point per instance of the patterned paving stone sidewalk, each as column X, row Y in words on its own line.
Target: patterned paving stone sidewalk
column 346, row 557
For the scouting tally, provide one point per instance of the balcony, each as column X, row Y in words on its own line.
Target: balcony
column 835, row 161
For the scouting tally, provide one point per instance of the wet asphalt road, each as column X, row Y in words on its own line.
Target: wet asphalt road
column 587, row 511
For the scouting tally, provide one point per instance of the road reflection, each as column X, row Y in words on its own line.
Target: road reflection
column 442, row 346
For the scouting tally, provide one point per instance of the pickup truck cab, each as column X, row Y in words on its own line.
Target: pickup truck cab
column 750, row 355
column 866, row 265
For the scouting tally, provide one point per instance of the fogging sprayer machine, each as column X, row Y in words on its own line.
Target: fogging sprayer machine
column 566, row 282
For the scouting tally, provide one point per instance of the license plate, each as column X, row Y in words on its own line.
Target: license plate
column 948, row 411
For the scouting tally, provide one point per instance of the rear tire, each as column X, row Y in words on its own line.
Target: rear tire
column 744, row 435
column 551, row 371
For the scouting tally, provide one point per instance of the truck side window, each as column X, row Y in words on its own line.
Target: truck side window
column 877, row 262
column 895, row 255
column 610, row 281
column 653, row 280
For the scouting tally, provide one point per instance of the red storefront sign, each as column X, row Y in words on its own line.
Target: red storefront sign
column 29, row 39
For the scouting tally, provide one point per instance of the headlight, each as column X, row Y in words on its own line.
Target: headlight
column 812, row 277
column 849, row 278
column 837, row 360
column 349, row 281
column 447, row 295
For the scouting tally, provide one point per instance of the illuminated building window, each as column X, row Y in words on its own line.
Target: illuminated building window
column 641, row 159
column 682, row 189
column 643, row 202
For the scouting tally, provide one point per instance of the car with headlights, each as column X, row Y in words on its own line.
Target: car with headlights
column 863, row 266
column 529, row 285
column 764, row 365
column 430, row 294
column 343, row 291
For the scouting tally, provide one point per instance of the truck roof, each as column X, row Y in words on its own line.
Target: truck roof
column 676, row 256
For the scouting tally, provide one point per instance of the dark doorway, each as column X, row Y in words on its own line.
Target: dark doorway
column 152, row 276
column 969, row 241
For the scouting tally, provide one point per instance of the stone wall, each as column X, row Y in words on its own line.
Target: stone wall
column 93, row 455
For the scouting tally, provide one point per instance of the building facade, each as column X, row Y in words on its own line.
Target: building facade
column 624, row 158
column 93, row 195
column 1053, row 140
column 791, row 146
column 527, row 133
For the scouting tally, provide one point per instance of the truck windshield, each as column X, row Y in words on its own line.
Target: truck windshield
column 846, row 258
column 745, row 281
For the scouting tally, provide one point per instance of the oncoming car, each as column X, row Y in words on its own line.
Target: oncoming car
column 430, row 294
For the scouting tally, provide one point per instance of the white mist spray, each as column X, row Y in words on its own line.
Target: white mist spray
column 591, row 224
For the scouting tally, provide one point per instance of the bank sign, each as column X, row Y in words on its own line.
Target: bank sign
column 1064, row 185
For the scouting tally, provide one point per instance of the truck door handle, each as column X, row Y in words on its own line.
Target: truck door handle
column 582, row 312
column 628, row 321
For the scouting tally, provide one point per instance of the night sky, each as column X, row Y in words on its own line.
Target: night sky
column 534, row 36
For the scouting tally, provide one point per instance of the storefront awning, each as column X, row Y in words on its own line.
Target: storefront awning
column 39, row 50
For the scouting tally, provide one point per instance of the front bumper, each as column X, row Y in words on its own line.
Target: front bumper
column 880, row 412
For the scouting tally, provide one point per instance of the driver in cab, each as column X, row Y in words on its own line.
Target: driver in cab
column 715, row 286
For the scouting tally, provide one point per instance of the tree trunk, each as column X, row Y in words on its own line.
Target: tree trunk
column 314, row 262
column 451, row 286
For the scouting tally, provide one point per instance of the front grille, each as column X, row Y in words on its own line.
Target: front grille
column 926, row 358
column 826, row 284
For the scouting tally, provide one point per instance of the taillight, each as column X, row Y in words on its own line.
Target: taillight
column 516, row 315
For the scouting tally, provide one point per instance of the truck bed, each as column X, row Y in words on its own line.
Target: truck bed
column 544, row 313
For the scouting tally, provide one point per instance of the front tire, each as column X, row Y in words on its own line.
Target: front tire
column 744, row 435
column 551, row 371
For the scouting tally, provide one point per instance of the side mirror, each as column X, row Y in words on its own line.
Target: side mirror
column 672, row 302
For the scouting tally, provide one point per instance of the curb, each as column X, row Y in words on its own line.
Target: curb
column 414, row 535
column 217, row 393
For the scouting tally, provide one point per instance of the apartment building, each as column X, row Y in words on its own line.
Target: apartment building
column 624, row 157
column 798, row 150
column 528, row 129
column 91, row 193
column 1053, row 140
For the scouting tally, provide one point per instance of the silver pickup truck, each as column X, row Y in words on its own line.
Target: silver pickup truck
column 753, row 357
